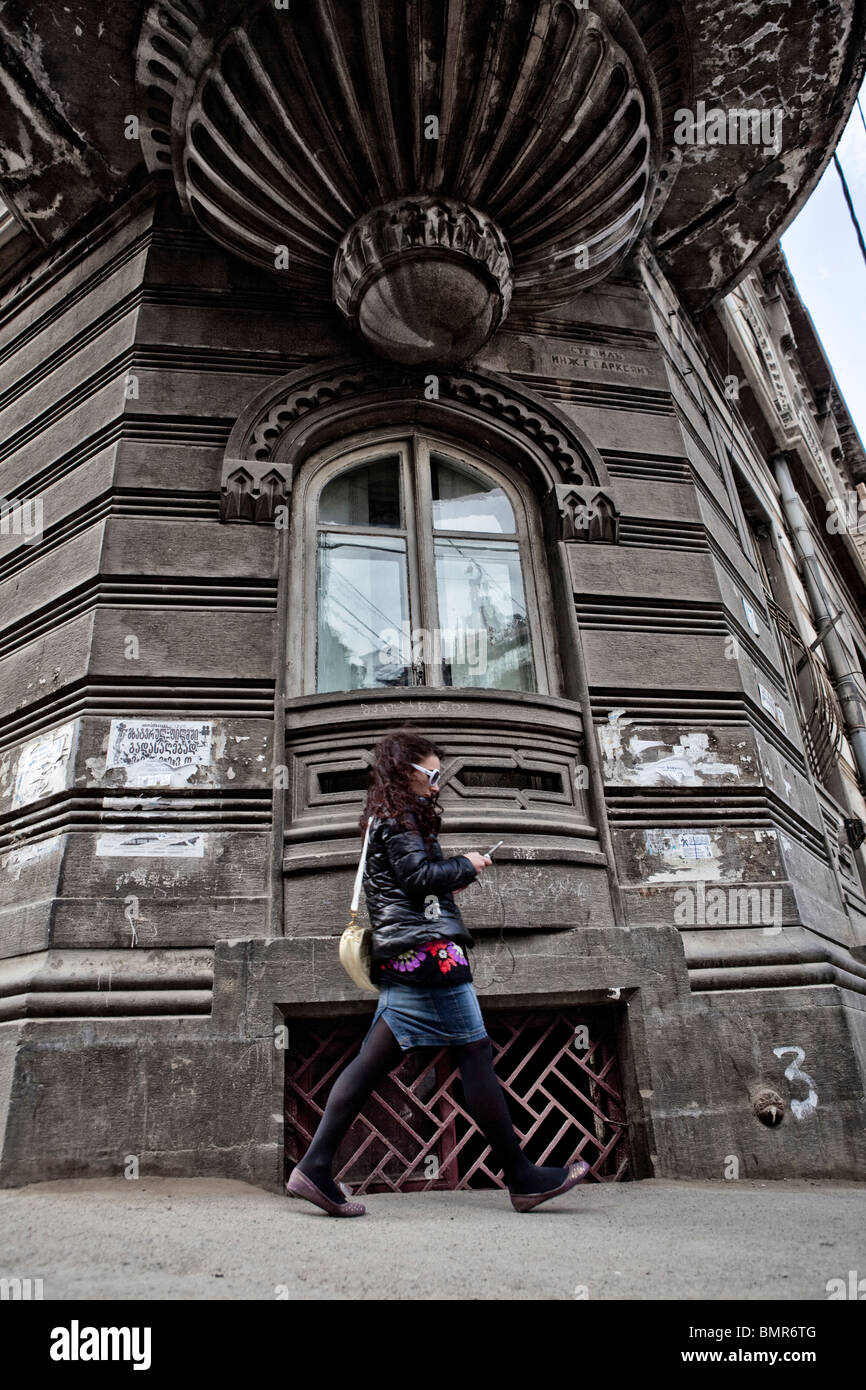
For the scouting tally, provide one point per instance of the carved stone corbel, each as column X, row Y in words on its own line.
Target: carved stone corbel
column 581, row 513
column 253, row 491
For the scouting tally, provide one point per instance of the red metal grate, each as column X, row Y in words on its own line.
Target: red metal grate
column 557, row 1067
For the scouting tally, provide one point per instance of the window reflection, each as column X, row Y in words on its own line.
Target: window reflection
column 464, row 502
column 471, row 627
column 363, row 589
column 368, row 495
column 482, row 610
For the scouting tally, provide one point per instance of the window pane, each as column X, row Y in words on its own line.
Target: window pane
column 368, row 495
column 363, row 606
column 484, row 634
column 464, row 502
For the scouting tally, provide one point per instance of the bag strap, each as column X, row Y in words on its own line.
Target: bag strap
column 359, row 876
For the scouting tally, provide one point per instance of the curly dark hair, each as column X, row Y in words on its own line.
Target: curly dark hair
column 389, row 794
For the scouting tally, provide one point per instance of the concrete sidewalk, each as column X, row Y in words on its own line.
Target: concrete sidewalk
column 214, row 1239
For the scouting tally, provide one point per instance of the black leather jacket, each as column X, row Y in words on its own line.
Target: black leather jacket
column 403, row 884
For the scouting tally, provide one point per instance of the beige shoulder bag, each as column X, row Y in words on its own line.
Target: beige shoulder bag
column 356, row 943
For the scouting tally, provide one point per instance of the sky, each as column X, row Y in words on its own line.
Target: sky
column 824, row 256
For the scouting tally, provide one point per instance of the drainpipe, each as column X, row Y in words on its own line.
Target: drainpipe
column 847, row 688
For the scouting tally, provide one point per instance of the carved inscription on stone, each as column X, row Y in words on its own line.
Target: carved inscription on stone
column 598, row 359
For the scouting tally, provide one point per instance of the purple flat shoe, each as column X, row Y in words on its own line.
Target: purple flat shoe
column 299, row 1185
column 525, row 1201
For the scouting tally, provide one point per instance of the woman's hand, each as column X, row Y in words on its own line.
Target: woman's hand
column 479, row 861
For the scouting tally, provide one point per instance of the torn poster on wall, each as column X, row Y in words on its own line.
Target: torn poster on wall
column 772, row 706
column 18, row 859
column 688, row 844
column 146, row 844
column 159, row 753
column 42, row 765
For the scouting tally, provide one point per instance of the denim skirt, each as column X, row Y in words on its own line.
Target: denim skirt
column 431, row 1017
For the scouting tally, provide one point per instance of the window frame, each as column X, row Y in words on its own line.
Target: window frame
column 414, row 447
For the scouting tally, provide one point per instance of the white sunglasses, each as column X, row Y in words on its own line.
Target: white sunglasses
column 433, row 774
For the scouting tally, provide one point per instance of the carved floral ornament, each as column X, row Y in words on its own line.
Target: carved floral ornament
column 290, row 419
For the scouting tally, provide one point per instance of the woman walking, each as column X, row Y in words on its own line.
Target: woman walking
column 426, row 997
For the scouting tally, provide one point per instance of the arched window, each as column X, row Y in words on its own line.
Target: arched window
column 421, row 572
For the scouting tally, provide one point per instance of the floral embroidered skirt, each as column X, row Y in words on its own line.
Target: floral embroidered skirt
column 431, row 1017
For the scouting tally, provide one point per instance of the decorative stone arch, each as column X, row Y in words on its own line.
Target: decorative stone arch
column 292, row 418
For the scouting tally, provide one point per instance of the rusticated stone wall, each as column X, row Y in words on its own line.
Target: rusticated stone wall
column 154, row 930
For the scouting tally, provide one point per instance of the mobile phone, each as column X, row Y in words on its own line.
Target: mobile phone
column 495, row 847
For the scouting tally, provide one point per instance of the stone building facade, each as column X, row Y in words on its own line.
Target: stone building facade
column 403, row 363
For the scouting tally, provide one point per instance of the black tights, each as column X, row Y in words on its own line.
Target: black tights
column 485, row 1101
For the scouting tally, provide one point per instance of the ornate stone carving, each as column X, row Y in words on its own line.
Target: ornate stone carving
column 575, row 513
column 425, row 279
column 781, row 395
column 264, row 439
column 792, row 413
column 287, row 129
column 251, row 493
column 314, row 395
column 167, row 31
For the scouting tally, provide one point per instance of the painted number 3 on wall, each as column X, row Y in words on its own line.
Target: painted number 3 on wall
column 801, row 1108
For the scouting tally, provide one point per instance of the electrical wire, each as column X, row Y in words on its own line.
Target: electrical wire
column 850, row 205
column 450, row 540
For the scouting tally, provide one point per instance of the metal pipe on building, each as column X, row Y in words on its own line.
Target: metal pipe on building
column 847, row 688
